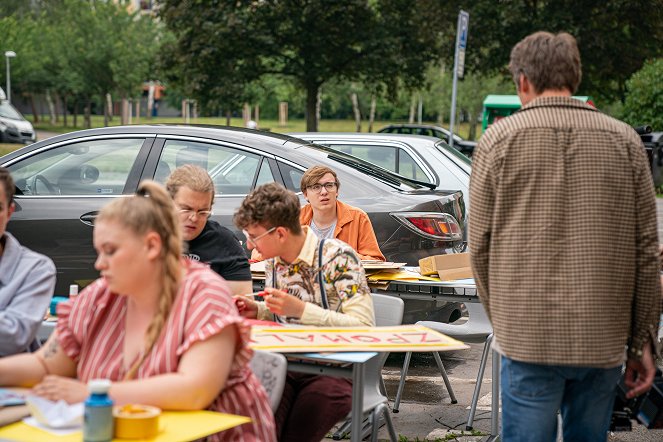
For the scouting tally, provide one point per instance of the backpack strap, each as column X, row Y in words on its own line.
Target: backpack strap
column 321, row 282
column 277, row 318
column 273, row 273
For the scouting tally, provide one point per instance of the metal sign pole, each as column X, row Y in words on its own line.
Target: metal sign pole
column 459, row 66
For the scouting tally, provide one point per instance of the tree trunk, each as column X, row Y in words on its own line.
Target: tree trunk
column 64, row 109
column 87, row 121
column 283, row 113
column 246, row 114
column 35, row 114
column 356, row 111
column 58, row 105
column 75, row 112
column 473, row 127
column 413, row 105
column 109, row 105
column 186, row 109
column 371, row 114
column 150, row 100
column 106, row 112
column 318, row 100
column 228, row 115
column 51, row 107
column 125, row 111
column 311, row 103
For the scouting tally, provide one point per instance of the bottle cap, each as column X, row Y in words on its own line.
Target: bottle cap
column 73, row 290
column 99, row 386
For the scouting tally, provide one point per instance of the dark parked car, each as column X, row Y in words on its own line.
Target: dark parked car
column 63, row 181
column 465, row 146
column 653, row 142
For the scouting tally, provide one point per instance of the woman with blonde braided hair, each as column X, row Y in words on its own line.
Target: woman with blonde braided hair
column 164, row 329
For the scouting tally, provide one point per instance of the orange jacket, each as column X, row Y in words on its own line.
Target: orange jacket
column 352, row 227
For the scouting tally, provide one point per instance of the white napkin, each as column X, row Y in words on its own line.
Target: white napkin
column 49, row 415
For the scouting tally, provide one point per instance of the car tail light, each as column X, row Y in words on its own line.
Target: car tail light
column 432, row 225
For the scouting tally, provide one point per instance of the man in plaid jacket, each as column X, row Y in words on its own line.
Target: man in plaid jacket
column 564, row 247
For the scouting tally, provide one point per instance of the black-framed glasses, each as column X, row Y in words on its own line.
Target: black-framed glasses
column 253, row 240
column 190, row 213
column 329, row 187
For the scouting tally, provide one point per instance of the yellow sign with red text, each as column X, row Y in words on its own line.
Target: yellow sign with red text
column 294, row 339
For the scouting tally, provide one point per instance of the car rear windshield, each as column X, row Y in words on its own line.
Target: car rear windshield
column 455, row 155
column 367, row 168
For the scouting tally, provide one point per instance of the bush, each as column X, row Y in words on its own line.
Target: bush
column 644, row 97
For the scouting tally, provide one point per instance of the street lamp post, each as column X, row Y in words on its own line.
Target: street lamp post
column 8, row 55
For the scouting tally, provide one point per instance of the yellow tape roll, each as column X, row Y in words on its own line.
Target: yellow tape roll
column 134, row 421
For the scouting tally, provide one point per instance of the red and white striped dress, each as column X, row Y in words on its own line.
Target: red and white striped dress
column 91, row 331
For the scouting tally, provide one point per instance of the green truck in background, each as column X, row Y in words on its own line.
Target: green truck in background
column 500, row 106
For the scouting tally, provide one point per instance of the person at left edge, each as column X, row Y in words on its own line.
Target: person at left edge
column 27, row 280
column 162, row 328
column 192, row 189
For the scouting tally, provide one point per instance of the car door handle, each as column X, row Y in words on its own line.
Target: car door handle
column 88, row 218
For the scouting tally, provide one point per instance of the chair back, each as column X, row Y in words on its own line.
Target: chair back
column 479, row 318
column 271, row 370
column 476, row 329
column 388, row 310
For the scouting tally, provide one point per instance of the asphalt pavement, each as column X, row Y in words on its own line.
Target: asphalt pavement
column 43, row 134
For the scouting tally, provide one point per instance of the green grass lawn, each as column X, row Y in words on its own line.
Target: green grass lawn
column 6, row 148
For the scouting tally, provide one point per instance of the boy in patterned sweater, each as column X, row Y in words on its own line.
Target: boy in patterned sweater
column 308, row 281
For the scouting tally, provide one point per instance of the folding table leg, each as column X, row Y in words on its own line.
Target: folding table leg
column 477, row 387
column 440, row 365
column 401, row 383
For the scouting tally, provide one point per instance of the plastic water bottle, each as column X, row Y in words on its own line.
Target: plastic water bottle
column 98, row 417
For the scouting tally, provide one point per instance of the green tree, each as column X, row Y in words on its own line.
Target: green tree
column 644, row 96
column 79, row 49
column 615, row 36
column 22, row 34
column 222, row 46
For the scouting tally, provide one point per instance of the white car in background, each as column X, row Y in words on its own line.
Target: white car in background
column 426, row 160
column 13, row 127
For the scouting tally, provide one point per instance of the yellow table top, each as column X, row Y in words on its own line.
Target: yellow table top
column 176, row 426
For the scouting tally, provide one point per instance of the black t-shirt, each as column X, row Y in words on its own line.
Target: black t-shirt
column 218, row 247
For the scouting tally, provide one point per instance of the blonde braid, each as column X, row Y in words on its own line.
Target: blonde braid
column 152, row 210
column 172, row 269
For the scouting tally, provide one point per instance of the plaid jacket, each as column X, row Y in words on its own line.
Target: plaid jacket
column 563, row 235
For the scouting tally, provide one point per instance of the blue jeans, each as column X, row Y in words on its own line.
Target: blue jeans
column 532, row 394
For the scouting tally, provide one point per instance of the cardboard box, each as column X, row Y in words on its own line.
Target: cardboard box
column 447, row 267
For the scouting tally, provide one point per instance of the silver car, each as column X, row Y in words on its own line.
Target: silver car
column 13, row 127
column 424, row 159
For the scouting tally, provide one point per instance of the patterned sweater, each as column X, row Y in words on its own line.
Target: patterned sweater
column 348, row 300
